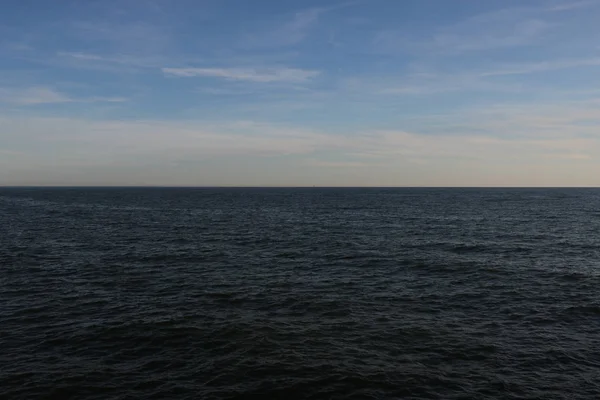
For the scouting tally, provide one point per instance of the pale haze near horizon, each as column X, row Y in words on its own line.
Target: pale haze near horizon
column 324, row 93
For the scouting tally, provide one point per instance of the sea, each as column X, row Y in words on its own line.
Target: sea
column 299, row 293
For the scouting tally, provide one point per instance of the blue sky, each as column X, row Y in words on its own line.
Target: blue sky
column 295, row 93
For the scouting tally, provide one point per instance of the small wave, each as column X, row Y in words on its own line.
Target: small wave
column 242, row 294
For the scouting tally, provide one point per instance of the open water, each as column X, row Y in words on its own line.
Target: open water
column 139, row 293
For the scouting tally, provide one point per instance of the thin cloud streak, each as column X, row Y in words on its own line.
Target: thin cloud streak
column 119, row 59
column 574, row 5
column 263, row 139
column 260, row 75
column 293, row 31
column 126, row 147
column 528, row 68
column 33, row 96
column 288, row 33
column 45, row 95
column 503, row 28
column 475, row 80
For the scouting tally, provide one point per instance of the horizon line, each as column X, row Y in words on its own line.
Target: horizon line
column 281, row 187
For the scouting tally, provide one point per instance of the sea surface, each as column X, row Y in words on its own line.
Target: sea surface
column 148, row 293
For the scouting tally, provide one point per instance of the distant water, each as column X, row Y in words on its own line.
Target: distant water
column 299, row 293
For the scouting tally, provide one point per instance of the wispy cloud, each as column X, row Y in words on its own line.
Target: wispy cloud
column 108, row 45
column 293, row 30
column 338, row 164
column 556, row 120
column 224, row 91
column 45, row 95
column 573, row 5
column 518, row 33
column 497, row 29
column 121, row 59
column 481, row 79
column 485, row 154
column 527, row 68
column 262, row 75
column 289, row 33
column 18, row 47
column 445, row 83
column 133, row 37
column 500, row 133
column 32, row 96
column 12, row 153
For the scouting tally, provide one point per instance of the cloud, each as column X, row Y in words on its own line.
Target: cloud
column 502, row 146
column 33, row 96
column 133, row 37
column 337, row 164
column 509, row 34
column 262, row 75
column 289, row 33
column 500, row 133
column 16, row 46
column 99, row 141
column 224, row 91
column 107, row 62
column 45, row 95
column 527, row 68
column 429, row 82
column 84, row 56
column 573, row 5
column 294, row 30
column 444, row 83
column 498, row 29
column 565, row 125
column 475, row 80
column 108, row 44
column 11, row 153
column 123, row 59
column 94, row 99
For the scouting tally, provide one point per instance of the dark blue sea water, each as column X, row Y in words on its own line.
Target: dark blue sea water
column 299, row 293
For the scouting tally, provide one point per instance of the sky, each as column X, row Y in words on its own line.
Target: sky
column 300, row 93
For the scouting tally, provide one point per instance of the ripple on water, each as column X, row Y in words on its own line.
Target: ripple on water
column 300, row 294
